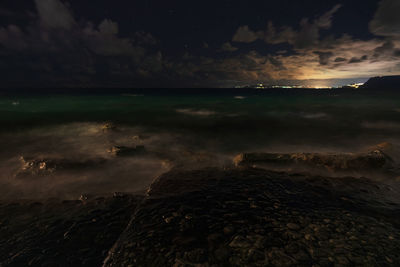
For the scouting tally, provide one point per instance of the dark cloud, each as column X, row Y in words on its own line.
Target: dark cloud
column 54, row 14
column 306, row 36
column 7, row 13
column 358, row 60
column 340, row 59
column 145, row 38
column 325, row 21
column 228, row 47
column 386, row 21
column 386, row 49
column 245, row 35
column 12, row 37
column 324, row 57
column 58, row 47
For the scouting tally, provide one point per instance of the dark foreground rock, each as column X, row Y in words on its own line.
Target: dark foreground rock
column 62, row 233
column 252, row 217
column 212, row 217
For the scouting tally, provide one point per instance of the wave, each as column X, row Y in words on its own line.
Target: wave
column 193, row 112
column 132, row 95
column 381, row 125
column 314, row 115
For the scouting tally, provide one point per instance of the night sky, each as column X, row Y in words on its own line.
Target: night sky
column 176, row 43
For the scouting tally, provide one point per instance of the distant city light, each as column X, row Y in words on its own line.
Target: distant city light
column 356, row 85
column 321, row 87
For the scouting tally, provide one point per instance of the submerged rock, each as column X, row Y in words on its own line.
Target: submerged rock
column 45, row 166
column 385, row 147
column 108, row 126
column 127, row 151
column 140, row 137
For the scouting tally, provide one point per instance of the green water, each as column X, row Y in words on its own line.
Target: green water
column 294, row 119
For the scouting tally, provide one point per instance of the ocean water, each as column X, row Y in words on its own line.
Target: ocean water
column 190, row 130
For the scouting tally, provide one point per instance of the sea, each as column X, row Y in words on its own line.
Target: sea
column 62, row 143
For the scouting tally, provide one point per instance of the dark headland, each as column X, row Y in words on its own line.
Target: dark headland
column 383, row 83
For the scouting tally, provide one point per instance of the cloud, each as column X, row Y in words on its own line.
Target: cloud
column 340, row 59
column 329, row 59
column 228, row 47
column 385, row 50
column 108, row 26
column 12, row 37
column 145, row 38
column 244, row 35
column 358, row 60
column 313, row 57
column 245, row 67
column 386, row 21
column 325, row 21
column 54, row 47
column 306, row 36
column 54, row 14
column 324, row 57
column 105, row 41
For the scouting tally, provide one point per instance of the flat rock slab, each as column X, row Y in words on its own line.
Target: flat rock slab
column 375, row 160
column 62, row 233
column 251, row 217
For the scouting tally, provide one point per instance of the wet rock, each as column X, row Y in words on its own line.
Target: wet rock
column 169, row 219
column 292, row 248
column 240, row 242
column 119, row 195
column 385, row 147
column 228, row 230
column 184, row 240
column 222, row 254
column 84, row 197
column 63, row 233
column 255, row 255
column 293, row 226
column 214, row 226
column 195, row 256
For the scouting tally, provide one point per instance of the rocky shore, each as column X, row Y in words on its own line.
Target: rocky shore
column 253, row 217
column 239, row 216
column 62, row 233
